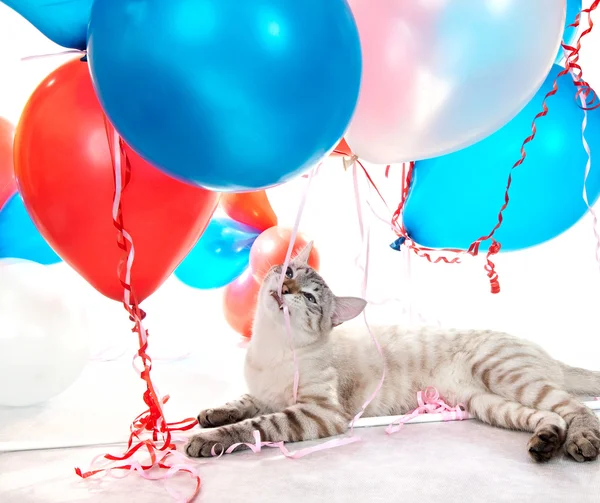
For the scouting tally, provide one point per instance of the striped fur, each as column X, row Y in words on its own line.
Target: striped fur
column 503, row 381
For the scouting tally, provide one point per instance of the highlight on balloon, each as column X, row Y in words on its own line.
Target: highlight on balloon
column 341, row 208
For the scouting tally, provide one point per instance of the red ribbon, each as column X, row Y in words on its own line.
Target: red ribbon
column 591, row 99
column 152, row 419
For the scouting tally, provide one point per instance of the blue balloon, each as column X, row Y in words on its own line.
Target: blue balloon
column 64, row 22
column 19, row 237
column 220, row 256
column 230, row 95
column 570, row 34
column 455, row 199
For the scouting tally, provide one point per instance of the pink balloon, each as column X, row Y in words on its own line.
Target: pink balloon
column 440, row 75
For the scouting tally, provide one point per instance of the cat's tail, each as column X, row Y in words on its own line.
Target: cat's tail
column 581, row 381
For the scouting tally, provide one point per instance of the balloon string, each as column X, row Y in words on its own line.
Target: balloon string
column 588, row 166
column 365, row 238
column 583, row 97
column 53, row 54
column 584, row 91
column 151, row 420
column 288, row 257
column 590, row 98
column 411, row 312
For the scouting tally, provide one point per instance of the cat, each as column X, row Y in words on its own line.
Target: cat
column 501, row 380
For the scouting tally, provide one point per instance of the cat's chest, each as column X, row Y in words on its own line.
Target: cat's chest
column 270, row 381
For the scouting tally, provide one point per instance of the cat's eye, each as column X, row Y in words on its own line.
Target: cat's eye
column 289, row 273
column 310, row 297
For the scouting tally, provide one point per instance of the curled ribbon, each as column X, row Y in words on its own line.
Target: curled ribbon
column 161, row 447
column 430, row 402
column 258, row 445
column 583, row 94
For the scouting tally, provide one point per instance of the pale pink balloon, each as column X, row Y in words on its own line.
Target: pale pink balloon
column 440, row 75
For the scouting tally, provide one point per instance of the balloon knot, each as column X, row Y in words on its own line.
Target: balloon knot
column 495, row 248
column 397, row 245
column 142, row 315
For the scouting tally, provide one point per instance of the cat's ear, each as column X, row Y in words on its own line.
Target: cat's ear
column 302, row 257
column 346, row 308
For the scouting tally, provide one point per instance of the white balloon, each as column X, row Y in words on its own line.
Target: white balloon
column 440, row 75
column 43, row 341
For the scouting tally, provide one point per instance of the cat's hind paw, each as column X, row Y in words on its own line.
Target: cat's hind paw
column 545, row 443
column 583, row 444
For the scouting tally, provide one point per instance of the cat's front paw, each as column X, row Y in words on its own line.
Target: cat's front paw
column 210, row 443
column 213, row 418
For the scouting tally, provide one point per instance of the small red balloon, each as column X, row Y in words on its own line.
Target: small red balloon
column 250, row 208
column 8, row 185
column 64, row 171
column 239, row 303
column 270, row 249
column 342, row 149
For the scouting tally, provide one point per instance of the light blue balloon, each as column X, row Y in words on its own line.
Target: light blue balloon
column 455, row 199
column 231, row 95
column 19, row 237
column 220, row 256
column 570, row 34
column 64, row 22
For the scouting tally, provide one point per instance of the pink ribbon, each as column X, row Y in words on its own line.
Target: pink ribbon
column 258, row 445
column 183, row 466
column 53, row 54
column 430, row 402
column 366, row 242
column 288, row 258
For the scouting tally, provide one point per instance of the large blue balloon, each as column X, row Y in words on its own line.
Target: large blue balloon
column 570, row 34
column 220, row 256
column 231, row 95
column 19, row 237
column 455, row 199
column 64, row 22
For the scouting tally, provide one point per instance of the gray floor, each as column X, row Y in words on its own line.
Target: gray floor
column 459, row 461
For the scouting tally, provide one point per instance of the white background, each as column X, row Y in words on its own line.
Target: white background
column 550, row 294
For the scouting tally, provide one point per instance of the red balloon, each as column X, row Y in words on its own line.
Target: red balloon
column 7, row 174
column 342, row 149
column 270, row 249
column 250, row 208
column 64, row 172
column 239, row 303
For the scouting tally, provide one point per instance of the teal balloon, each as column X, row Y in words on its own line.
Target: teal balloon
column 220, row 256
column 455, row 199
column 570, row 34
column 64, row 22
column 19, row 237
column 230, row 95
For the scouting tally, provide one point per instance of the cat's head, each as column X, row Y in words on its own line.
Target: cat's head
column 313, row 307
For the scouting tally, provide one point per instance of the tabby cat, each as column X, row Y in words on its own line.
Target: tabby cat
column 500, row 379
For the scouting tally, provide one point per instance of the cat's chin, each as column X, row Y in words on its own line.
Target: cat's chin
column 272, row 306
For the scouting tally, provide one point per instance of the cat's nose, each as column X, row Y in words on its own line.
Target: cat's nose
column 285, row 289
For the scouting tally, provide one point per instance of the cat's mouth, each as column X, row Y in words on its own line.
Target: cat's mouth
column 278, row 299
